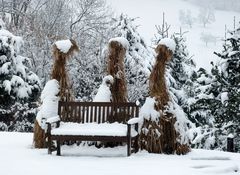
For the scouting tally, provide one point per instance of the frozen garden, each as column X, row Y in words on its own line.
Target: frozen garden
column 110, row 87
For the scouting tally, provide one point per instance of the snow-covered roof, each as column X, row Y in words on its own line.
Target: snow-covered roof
column 124, row 42
column 63, row 45
column 169, row 43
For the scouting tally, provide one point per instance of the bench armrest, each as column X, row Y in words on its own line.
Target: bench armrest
column 53, row 119
column 133, row 121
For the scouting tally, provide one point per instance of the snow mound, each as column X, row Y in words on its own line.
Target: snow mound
column 50, row 90
column 169, row 43
column 148, row 111
column 63, row 45
column 230, row 136
column 123, row 41
column 104, row 94
column 49, row 100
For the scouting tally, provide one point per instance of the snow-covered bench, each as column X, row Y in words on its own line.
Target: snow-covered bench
column 94, row 121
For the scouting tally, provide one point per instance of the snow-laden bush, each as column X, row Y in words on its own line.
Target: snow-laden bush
column 19, row 87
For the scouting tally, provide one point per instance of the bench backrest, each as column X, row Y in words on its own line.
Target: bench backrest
column 99, row 112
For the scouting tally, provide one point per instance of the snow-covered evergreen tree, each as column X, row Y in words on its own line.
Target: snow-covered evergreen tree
column 200, row 110
column 181, row 71
column 199, row 104
column 19, row 87
column 227, row 88
column 139, row 59
column 215, row 108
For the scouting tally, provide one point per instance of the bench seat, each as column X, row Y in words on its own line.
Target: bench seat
column 93, row 129
column 94, row 121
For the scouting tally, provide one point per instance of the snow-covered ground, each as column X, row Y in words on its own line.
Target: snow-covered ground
column 150, row 14
column 17, row 157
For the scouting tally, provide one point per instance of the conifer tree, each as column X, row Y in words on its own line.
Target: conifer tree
column 181, row 72
column 227, row 89
column 19, row 87
column 139, row 59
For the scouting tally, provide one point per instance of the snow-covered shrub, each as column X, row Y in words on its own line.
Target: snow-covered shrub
column 19, row 87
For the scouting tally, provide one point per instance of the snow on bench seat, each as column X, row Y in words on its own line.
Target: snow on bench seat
column 93, row 129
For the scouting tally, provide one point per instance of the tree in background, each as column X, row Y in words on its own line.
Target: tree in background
column 206, row 15
column 186, row 18
column 180, row 72
column 229, row 5
column 91, row 21
column 227, row 75
column 19, row 87
column 85, row 21
column 200, row 110
column 215, row 107
column 208, row 38
column 139, row 59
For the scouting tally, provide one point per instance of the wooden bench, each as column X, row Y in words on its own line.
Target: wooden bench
column 94, row 121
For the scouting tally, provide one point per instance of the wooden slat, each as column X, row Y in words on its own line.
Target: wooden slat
column 91, row 113
column 103, row 114
column 137, row 111
column 128, row 111
column 99, row 113
column 112, row 111
column 89, row 138
column 132, row 111
column 79, row 114
column 83, row 114
column 108, row 113
column 95, row 113
column 71, row 113
column 87, row 113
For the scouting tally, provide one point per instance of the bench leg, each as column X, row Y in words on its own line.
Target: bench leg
column 128, row 146
column 49, row 143
column 58, row 148
column 136, row 146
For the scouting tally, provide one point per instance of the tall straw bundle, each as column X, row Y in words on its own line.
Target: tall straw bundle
column 39, row 136
column 59, row 70
column 116, row 68
column 59, row 73
column 161, row 135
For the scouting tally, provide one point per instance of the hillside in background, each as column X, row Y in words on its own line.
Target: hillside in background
column 150, row 14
